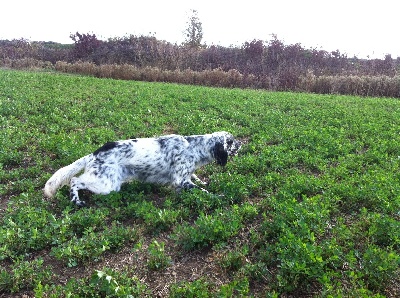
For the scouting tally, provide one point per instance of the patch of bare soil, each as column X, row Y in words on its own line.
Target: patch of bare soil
column 187, row 267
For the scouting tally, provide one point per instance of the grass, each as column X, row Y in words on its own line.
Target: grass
column 310, row 206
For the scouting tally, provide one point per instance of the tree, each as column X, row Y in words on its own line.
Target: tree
column 194, row 31
column 85, row 44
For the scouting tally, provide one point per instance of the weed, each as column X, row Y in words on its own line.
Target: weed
column 25, row 229
column 209, row 229
column 112, row 284
column 236, row 288
column 92, row 245
column 379, row 266
column 156, row 220
column 24, row 275
column 198, row 288
column 102, row 283
column 233, row 260
column 157, row 259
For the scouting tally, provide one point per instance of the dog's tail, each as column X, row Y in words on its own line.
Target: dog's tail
column 63, row 176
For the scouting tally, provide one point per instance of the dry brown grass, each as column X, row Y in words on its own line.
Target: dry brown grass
column 25, row 63
column 385, row 86
column 374, row 86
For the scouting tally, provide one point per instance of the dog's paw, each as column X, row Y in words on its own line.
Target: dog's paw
column 80, row 204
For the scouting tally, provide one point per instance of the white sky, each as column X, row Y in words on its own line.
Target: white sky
column 358, row 28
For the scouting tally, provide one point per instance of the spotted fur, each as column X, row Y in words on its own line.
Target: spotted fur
column 167, row 160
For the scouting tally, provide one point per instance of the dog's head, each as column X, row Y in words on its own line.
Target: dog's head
column 225, row 145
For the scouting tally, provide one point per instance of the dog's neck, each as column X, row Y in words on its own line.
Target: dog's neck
column 197, row 145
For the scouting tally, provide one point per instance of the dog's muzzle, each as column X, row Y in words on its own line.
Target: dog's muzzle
column 234, row 148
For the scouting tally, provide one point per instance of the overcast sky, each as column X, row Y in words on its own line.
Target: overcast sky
column 361, row 28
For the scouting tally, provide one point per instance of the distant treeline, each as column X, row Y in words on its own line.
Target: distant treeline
column 256, row 64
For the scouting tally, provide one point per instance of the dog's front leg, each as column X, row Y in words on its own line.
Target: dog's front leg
column 198, row 180
column 188, row 184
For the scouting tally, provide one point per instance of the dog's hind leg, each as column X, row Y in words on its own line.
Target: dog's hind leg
column 76, row 184
column 103, row 183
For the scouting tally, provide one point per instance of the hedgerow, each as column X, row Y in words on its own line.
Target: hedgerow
column 259, row 64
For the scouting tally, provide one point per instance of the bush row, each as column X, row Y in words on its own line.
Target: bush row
column 351, row 85
column 255, row 57
column 378, row 86
column 268, row 65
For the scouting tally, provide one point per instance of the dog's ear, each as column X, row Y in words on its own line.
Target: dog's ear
column 220, row 154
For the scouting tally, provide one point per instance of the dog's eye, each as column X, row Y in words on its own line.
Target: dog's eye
column 229, row 142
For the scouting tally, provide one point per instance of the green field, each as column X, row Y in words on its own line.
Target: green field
column 310, row 206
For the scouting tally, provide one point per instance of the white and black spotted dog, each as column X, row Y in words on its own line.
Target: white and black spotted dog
column 167, row 160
